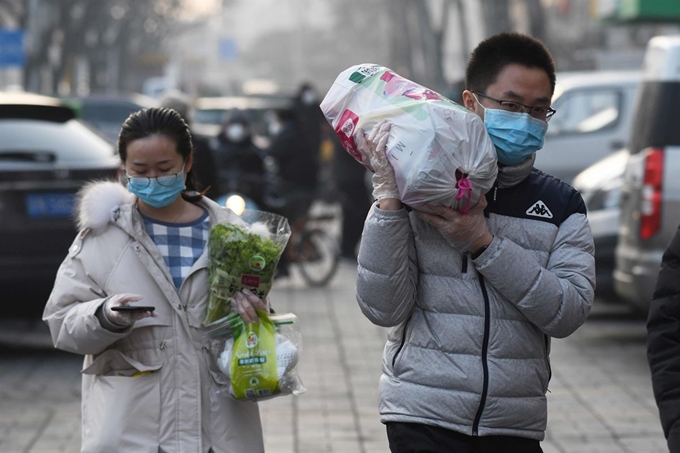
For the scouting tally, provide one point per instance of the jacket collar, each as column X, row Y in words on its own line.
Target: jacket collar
column 101, row 203
column 511, row 175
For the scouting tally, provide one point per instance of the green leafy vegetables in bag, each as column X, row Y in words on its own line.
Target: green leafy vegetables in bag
column 242, row 257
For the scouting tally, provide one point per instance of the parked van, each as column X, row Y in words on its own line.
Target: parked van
column 650, row 194
column 594, row 111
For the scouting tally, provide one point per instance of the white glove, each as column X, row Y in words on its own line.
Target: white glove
column 465, row 232
column 124, row 318
column 374, row 149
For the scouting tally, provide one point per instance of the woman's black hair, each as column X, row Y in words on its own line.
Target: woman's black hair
column 493, row 54
column 160, row 121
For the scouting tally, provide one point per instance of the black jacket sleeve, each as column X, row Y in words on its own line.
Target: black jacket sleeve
column 663, row 343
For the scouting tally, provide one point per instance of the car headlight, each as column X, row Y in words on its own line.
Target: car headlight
column 606, row 197
column 236, row 203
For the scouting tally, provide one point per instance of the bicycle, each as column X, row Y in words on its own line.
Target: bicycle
column 315, row 253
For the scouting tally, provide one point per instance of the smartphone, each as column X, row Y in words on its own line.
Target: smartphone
column 133, row 308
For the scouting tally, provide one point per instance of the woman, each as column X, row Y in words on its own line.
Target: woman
column 149, row 384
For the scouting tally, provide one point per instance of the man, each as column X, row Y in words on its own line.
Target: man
column 663, row 343
column 472, row 300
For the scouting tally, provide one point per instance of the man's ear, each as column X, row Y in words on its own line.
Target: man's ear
column 469, row 100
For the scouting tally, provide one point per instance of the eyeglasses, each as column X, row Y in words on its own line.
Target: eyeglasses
column 541, row 113
column 142, row 182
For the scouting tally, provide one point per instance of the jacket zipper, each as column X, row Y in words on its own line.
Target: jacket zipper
column 547, row 360
column 485, row 351
column 465, row 264
column 401, row 346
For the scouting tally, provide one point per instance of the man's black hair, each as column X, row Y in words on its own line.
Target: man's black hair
column 495, row 53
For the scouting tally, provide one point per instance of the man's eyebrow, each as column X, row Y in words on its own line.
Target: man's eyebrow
column 512, row 95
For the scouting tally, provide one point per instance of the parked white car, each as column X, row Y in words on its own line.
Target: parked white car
column 594, row 111
column 600, row 186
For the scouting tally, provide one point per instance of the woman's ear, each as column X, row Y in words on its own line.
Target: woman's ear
column 189, row 163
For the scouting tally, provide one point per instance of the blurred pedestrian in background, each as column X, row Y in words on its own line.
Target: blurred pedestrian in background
column 205, row 172
column 472, row 300
column 663, row 343
column 240, row 163
column 149, row 383
column 355, row 198
column 296, row 174
column 310, row 121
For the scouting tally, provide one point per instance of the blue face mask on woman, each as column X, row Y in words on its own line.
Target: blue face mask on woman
column 515, row 135
column 157, row 192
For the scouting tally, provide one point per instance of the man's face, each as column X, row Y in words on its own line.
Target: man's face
column 515, row 82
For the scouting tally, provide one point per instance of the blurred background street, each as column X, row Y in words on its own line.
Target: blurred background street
column 600, row 396
column 246, row 75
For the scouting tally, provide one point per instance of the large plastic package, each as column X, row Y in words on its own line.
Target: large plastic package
column 440, row 151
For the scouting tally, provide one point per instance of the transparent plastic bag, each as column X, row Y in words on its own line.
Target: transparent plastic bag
column 243, row 256
column 440, row 151
column 260, row 359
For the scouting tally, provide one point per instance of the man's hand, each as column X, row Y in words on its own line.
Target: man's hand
column 373, row 148
column 245, row 303
column 465, row 232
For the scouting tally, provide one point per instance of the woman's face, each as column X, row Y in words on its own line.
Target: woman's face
column 154, row 156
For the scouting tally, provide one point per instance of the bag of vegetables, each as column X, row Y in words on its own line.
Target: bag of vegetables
column 260, row 358
column 243, row 256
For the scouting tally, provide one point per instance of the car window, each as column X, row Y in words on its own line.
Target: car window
column 107, row 112
column 209, row 116
column 69, row 141
column 657, row 116
column 586, row 111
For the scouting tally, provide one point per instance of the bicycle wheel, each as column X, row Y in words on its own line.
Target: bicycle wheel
column 319, row 257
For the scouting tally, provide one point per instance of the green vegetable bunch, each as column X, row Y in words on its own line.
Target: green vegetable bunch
column 238, row 259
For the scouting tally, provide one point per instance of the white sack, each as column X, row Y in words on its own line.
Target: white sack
column 431, row 137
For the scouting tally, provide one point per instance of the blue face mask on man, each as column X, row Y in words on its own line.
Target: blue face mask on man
column 515, row 135
column 157, row 192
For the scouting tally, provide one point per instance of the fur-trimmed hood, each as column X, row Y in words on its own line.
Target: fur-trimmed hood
column 97, row 201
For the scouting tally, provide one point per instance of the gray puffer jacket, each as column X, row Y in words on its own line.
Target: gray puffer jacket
column 469, row 340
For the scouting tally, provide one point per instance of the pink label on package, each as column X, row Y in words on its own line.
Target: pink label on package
column 345, row 131
column 250, row 280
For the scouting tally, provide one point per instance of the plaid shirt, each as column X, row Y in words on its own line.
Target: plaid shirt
column 180, row 244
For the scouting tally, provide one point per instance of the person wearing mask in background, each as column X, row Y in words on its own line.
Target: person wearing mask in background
column 240, row 162
column 296, row 185
column 204, row 161
column 473, row 300
column 149, row 383
column 663, row 343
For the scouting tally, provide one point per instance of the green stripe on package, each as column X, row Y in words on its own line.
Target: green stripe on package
column 253, row 361
column 398, row 91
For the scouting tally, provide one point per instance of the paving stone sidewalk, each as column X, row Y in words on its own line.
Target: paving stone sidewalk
column 600, row 396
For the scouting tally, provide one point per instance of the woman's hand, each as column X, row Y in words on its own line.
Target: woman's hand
column 245, row 303
column 124, row 318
